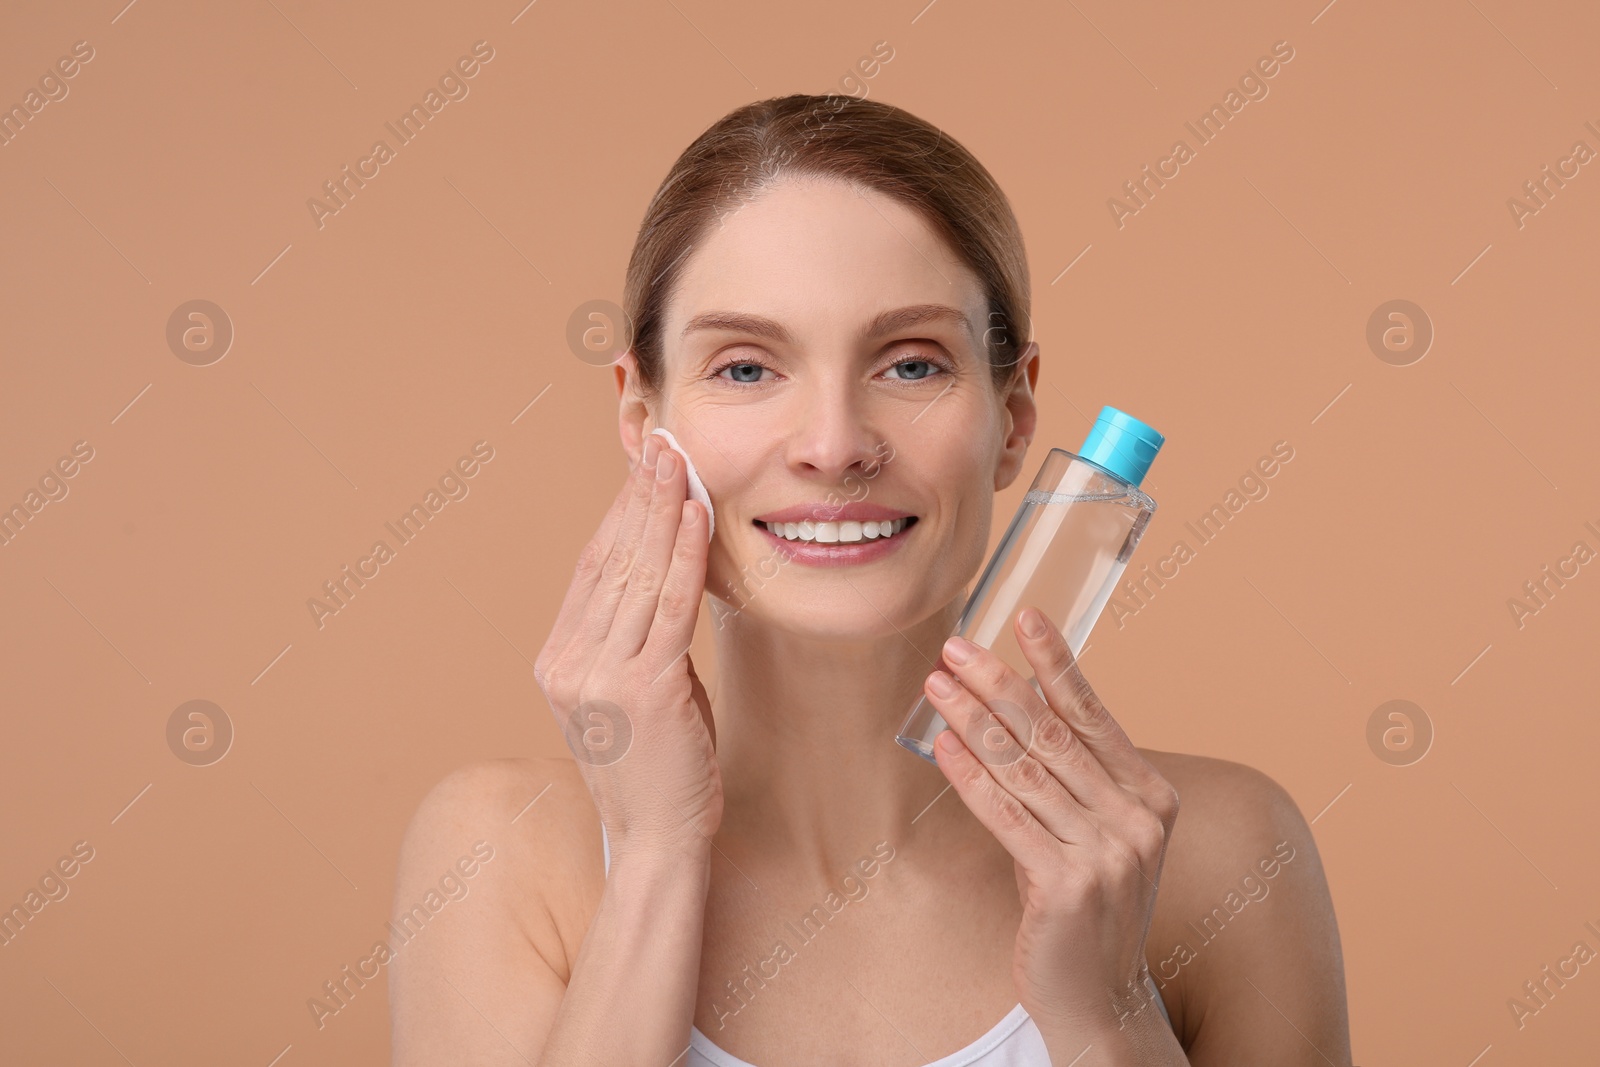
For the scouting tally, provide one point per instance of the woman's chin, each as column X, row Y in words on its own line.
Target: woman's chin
column 868, row 613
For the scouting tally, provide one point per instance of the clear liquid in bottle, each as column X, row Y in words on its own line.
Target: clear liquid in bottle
column 1064, row 552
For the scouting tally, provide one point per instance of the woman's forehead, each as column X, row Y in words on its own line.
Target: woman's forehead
column 820, row 253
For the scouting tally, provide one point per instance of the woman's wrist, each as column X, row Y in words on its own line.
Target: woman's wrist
column 655, row 868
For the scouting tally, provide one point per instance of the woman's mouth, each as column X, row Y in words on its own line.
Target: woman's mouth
column 843, row 533
column 837, row 543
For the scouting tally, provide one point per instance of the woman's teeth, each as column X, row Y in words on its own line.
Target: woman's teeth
column 844, row 533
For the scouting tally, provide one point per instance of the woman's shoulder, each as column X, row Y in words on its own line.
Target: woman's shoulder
column 1212, row 781
column 1239, row 840
column 1230, row 815
column 537, row 816
column 491, row 781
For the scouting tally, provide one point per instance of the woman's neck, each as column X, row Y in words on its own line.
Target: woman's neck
column 805, row 742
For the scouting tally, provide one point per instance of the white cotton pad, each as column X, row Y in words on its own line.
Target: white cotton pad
column 697, row 488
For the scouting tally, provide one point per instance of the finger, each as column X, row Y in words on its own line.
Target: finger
column 601, row 607
column 1029, row 783
column 1069, row 693
column 1042, row 732
column 677, row 609
column 1012, row 824
column 637, row 609
column 586, row 575
column 988, row 738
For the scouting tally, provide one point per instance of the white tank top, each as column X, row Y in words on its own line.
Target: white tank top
column 1014, row 1041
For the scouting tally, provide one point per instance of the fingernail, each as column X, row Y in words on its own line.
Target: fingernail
column 665, row 464
column 942, row 684
column 958, row 650
column 652, row 446
column 1032, row 623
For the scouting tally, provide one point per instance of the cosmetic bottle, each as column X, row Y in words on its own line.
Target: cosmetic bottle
column 1063, row 553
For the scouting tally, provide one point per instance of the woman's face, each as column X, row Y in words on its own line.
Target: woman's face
column 824, row 358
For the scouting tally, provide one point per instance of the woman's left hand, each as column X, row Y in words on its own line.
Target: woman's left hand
column 1083, row 814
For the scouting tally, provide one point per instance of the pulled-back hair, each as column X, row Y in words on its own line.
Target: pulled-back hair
column 872, row 144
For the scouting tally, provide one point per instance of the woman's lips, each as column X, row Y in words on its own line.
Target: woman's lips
column 836, row 555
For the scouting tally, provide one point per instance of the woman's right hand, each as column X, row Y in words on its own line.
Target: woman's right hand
column 617, row 673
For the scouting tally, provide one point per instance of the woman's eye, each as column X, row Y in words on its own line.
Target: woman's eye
column 749, row 373
column 917, row 369
column 744, row 372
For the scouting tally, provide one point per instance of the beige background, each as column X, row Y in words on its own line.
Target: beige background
column 1230, row 312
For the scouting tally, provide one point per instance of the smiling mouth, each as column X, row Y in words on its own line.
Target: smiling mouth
column 847, row 532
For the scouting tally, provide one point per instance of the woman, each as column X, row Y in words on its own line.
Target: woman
column 830, row 298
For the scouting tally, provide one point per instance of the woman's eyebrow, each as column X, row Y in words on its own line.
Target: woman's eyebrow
column 886, row 322
column 738, row 322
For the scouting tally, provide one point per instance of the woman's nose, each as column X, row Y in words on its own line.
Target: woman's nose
column 832, row 435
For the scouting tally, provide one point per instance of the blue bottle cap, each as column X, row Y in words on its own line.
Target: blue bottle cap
column 1122, row 445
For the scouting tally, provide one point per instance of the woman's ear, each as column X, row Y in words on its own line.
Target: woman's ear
column 634, row 420
column 1022, row 416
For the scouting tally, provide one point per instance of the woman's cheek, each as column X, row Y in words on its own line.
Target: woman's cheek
column 972, row 531
column 718, row 571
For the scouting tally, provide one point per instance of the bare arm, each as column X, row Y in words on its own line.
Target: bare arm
column 484, row 979
column 633, row 987
column 493, row 986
